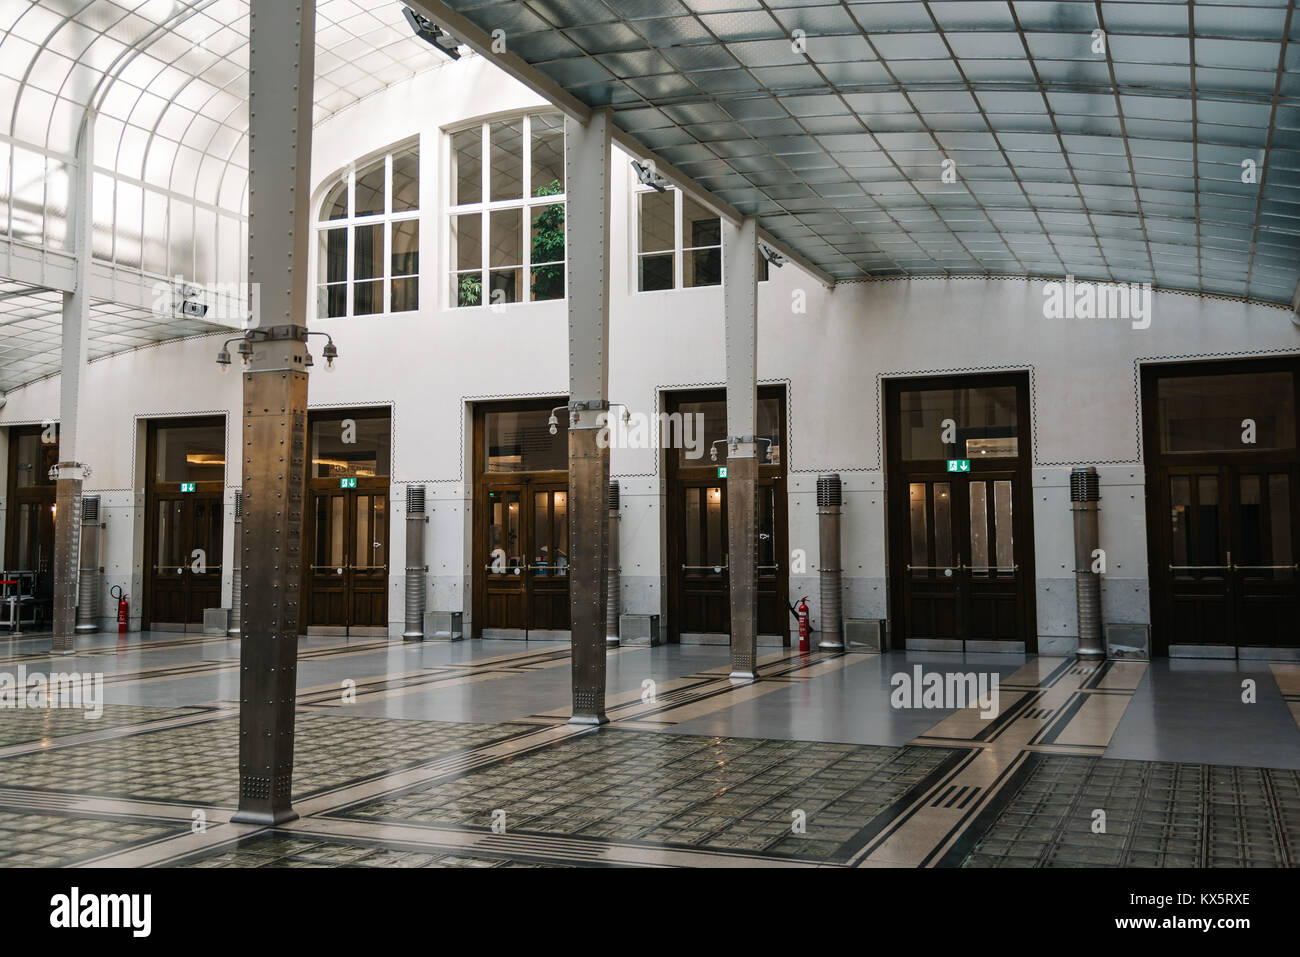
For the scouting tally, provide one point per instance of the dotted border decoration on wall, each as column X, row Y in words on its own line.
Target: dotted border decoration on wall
column 135, row 429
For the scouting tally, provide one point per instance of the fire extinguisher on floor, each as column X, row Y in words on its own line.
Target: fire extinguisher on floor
column 123, row 609
column 801, row 612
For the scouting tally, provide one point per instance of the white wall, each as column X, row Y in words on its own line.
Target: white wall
column 429, row 366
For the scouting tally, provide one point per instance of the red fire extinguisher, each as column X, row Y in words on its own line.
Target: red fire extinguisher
column 802, row 611
column 123, row 612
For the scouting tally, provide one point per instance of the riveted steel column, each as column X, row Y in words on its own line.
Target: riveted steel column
column 613, row 573
column 274, row 422
column 415, row 568
column 740, row 323
column 70, row 472
column 587, row 179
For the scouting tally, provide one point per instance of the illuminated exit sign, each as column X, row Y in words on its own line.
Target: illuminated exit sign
column 187, row 486
column 722, row 471
column 959, row 465
column 347, row 483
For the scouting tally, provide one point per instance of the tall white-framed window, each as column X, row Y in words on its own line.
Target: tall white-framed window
column 506, row 214
column 678, row 242
column 368, row 238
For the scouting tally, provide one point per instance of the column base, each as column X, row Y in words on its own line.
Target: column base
column 589, row 720
column 743, row 675
column 265, row 818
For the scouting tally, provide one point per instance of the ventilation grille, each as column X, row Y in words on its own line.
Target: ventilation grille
column 613, row 495
column 830, row 491
column 90, row 508
column 239, row 505
column 1084, row 485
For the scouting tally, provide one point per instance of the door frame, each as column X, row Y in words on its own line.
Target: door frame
column 483, row 482
column 767, row 474
column 896, row 526
column 43, row 496
column 377, row 483
column 1156, row 466
column 151, row 503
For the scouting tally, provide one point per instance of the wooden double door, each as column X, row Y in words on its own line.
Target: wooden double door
column 186, row 555
column 698, row 546
column 346, row 577
column 699, row 557
column 960, row 564
column 960, row 514
column 1221, row 443
column 1228, row 575
column 523, row 526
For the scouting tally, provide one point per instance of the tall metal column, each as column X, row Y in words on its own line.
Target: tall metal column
column 740, row 324
column 282, row 36
column 70, row 472
column 587, row 181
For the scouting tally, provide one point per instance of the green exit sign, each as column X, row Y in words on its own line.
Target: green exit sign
column 722, row 471
column 187, row 486
column 959, row 465
column 347, row 483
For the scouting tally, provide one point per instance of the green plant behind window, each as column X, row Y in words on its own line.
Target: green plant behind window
column 548, row 246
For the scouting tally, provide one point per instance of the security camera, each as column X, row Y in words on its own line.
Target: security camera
column 648, row 177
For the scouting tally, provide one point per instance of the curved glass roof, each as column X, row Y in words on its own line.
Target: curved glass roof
column 1126, row 141
column 169, row 82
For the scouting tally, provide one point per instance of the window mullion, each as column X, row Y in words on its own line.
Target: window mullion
column 386, row 242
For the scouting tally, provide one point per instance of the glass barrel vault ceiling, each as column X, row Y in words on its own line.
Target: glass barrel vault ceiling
column 1121, row 159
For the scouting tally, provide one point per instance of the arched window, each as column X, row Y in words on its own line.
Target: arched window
column 368, row 237
column 507, row 214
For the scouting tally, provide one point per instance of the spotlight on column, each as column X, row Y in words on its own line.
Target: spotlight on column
column 771, row 255
column 431, row 33
column 554, row 423
column 330, row 352
column 648, row 177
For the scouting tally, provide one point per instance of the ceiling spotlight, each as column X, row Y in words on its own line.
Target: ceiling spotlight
column 431, row 33
column 771, row 255
column 648, row 177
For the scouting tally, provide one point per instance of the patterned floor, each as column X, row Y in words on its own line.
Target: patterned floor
column 720, row 793
column 198, row 763
column 1156, row 815
column 810, row 766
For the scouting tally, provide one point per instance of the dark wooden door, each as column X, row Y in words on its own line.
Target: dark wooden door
column 526, row 573
column 703, row 583
column 931, row 561
column 547, row 578
column 185, row 558
column 1221, row 445
column 960, row 528
column 1230, row 578
column 347, row 578
column 1264, row 571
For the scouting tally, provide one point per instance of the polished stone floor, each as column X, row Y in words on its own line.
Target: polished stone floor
column 459, row 755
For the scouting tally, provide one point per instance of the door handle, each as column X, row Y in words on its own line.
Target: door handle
column 1292, row 567
column 704, row 568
